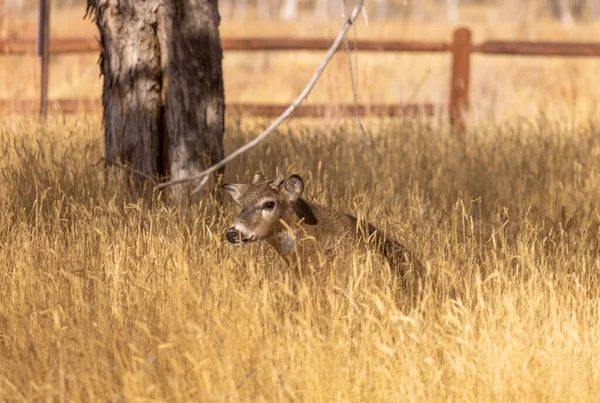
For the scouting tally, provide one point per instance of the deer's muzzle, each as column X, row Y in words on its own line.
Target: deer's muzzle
column 235, row 237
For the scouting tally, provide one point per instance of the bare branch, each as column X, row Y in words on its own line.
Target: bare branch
column 200, row 185
column 288, row 112
column 132, row 170
column 248, row 375
column 354, row 85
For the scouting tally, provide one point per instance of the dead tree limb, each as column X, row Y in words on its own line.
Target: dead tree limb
column 134, row 171
column 354, row 86
column 285, row 115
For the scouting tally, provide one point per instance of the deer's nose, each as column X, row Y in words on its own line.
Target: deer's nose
column 233, row 236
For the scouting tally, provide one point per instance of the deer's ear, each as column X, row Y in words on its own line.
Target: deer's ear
column 236, row 191
column 293, row 187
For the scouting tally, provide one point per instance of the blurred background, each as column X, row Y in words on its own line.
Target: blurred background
column 502, row 87
column 525, row 12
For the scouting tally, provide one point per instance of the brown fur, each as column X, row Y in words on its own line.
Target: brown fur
column 304, row 232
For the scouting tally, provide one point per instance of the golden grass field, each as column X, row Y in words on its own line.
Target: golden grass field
column 104, row 297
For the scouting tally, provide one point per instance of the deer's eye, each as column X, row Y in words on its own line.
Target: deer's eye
column 270, row 205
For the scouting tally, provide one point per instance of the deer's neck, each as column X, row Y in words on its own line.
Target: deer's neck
column 301, row 222
column 286, row 242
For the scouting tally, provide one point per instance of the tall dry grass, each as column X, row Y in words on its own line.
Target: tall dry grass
column 104, row 298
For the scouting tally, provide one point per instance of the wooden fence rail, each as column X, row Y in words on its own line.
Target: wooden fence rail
column 87, row 45
column 71, row 45
column 523, row 48
column 71, row 106
column 461, row 49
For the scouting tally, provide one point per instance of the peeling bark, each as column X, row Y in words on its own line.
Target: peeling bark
column 163, row 93
column 193, row 93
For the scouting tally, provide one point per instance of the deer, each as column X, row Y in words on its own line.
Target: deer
column 304, row 232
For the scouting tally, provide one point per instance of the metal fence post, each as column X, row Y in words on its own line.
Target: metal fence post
column 459, row 85
column 43, row 50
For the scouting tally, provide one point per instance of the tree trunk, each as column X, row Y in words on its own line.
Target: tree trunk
column 566, row 17
column 567, row 13
column 561, row 10
column 194, row 96
column 577, row 7
column 555, row 8
column 163, row 93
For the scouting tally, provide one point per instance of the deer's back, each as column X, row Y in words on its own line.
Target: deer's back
column 337, row 233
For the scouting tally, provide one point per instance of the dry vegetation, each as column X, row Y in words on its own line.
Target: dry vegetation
column 104, row 297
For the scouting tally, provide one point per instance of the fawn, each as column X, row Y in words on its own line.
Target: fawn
column 301, row 232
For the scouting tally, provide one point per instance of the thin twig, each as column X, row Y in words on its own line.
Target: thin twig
column 353, row 84
column 200, row 185
column 288, row 112
column 243, row 382
column 132, row 170
column 282, row 382
column 417, row 87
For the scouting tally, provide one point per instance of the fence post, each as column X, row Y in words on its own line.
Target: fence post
column 43, row 50
column 459, row 85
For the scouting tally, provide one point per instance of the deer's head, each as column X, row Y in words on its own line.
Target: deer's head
column 263, row 204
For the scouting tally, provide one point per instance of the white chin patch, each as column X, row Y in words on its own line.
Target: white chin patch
column 241, row 228
column 247, row 236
